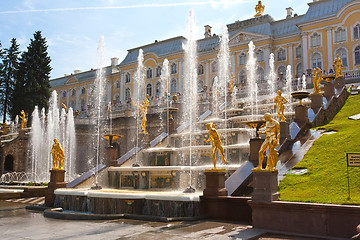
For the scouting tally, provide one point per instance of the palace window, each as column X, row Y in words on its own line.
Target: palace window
column 117, row 98
column 127, row 94
column 127, row 78
column 343, row 56
column 214, row 67
column 357, row 31
column 157, row 89
column 149, row 73
column 299, row 70
column 64, row 94
column 73, row 92
column 83, row 91
column 117, row 84
column 340, row 35
column 281, row 55
column 73, row 105
column 242, row 59
column 200, row 85
column 298, row 51
column 158, row 71
column 173, row 86
column 357, row 55
column 149, row 90
column 315, row 40
column 260, row 56
column 173, row 68
column 242, row 78
column 282, row 72
column 200, row 69
column 261, row 75
column 316, row 61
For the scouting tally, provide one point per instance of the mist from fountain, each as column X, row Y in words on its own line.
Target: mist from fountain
column 272, row 79
column 288, row 85
column 42, row 134
column 251, row 78
column 190, row 100
column 165, row 91
column 303, row 82
column 216, row 97
column 233, row 97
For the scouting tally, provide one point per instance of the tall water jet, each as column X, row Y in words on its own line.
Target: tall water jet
column 138, row 95
column 288, row 86
column 251, row 76
column 190, row 82
column 216, row 96
column 100, row 109
column 303, row 82
column 272, row 79
column 165, row 90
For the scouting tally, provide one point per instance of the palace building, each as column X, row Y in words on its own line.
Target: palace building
column 328, row 28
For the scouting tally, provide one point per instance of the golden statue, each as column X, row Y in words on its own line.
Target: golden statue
column 64, row 107
column 231, row 83
column 216, row 143
column 338, row 66
column 259, row 8
column 142, row 111
column 58, row 155
column 316, row 79
column 23, row 120
column 272, row 131
column 280, row 101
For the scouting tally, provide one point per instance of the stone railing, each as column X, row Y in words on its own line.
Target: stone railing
column 353, row 74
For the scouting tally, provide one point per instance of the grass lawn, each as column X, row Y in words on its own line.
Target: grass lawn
column 326, row 180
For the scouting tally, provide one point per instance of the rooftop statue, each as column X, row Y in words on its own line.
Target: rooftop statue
column 23, row 120
column 316, row 79
column 58, row 155
column 338, row 66
column 280, row 101
column 259, row 8
column 272, row 131
column 216, row 143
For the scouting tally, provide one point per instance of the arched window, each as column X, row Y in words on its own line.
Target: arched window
column 117, row 84
column 73, row 105
column 340, row 35
column 242, row 79
column 316, row 60
column 117, row 98
column 259, row 55
column 357, row 55
column 299, row 70
column 261, row 75
column 281, row 72
column 149, row 73
column 64, row 94
column 82, row 107
column 149, row 90
column 200, row 69
column 315, row 40
column 83, row 91
column 214, row 67
column 127, row 94
column 343, row 56
column 173, row 86
column 173, row 68
column 73, row 92
column 242, row 59
column 127, row 78
column 158, row 71
column 157, row 89
column 281, row 54
column 357, row 31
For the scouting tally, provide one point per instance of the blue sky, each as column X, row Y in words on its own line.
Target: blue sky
column 73, row 28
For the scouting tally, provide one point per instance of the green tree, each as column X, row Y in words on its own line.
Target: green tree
column 10, row 66
column 32, row 80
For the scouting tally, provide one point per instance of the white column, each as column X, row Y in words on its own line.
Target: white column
column 233, row 62
column 180, row 80
column 67, row 97
column 329, row 48
column 291, row 55
column 78, row 92
column 121, row 86
column 207, row 70
column 305, row 51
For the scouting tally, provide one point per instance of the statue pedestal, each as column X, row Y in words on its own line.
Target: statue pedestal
column 255, row 144
column 339, row 83
column 22, row 133
column 111, row 156
column 316, row 101
column 57, row 180
column 301, row 115
column 284, row 131
column 329, row 90
column 265, row 186
column 215, row 183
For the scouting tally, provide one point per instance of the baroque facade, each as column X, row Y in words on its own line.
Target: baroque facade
column 328, row 28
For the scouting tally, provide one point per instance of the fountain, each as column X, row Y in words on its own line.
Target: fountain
column 251, row 77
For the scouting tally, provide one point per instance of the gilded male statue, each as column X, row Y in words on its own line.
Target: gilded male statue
column 142, row 109
column 23, row 120
column 272, row 131
column 316, row 79
column 58, row 155
column 338, row 66
column 216, row 142
column 280, row 101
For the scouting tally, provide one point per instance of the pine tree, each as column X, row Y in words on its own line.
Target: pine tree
column 10, row 66
column 32, row 85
